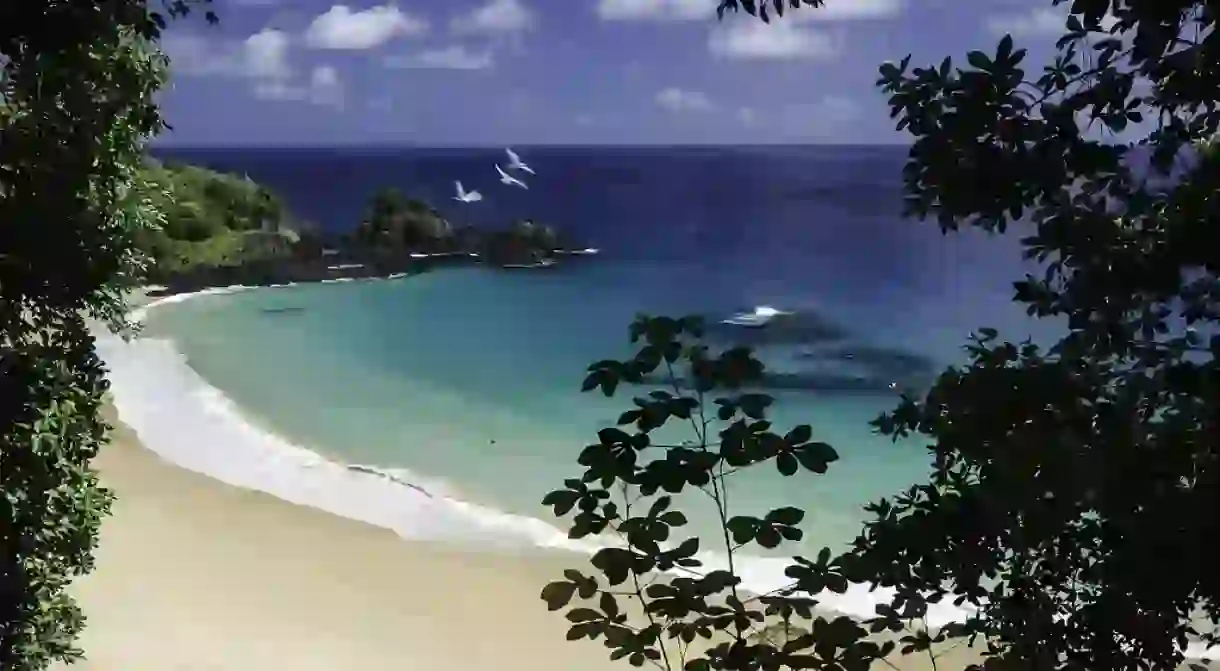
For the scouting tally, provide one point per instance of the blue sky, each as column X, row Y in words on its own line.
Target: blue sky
column 490, row 72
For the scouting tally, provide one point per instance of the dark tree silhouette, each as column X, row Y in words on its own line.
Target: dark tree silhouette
column 76, row 105
column 1074, row 499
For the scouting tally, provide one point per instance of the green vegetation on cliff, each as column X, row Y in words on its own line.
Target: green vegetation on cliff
column 78, row 102
column 212, row 219
column 395, row 223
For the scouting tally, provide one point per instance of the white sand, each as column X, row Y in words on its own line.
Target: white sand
column 195, row 574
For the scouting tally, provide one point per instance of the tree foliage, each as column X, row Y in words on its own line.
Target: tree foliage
column 395, row 221
column 1074, row 497
column 763, row 9
column 199, row 203
column 211, row 219
column 76, row 105
column 524, row 241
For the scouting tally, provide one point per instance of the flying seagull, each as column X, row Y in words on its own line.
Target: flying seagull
column 514, row 162
column 466, row 196
column 509, row 179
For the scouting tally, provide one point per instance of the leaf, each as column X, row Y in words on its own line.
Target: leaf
column 609, row 605
column 583, row 615
column 823, row 557
column 979, row 60
column 614, row 563
column 1004, row 50
column 787, row 515
column 658, row 505
column 688, row 548
column 628, row 417
column 816, row 457
column 754, row 405
column 562, row 500
column 558, row 594
column 609, row 385
column 613, row 436
column 742, row 528
column 768, row 537
column 799, row 434
column 673, row 518
column 787, row 464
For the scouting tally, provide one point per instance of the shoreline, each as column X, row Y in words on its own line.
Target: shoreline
column 252, row 457
column 536, row 552
column 196, row 574
column 348, row 265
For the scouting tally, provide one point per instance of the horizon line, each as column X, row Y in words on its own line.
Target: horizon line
column 626, row 145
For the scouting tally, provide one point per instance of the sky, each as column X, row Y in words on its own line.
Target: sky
column 492, row 72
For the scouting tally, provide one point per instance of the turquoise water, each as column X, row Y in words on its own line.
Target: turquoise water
column 465, row 381
column 469, row 379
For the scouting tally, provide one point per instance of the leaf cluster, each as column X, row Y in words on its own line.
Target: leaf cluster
column 396, row 222
column 764, row 8
column 1074, row 497
column 210, row 219
column 76, row 107
column 678, row 611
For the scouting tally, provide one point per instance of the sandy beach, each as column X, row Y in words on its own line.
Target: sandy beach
column 193, row 574
column 196, row 574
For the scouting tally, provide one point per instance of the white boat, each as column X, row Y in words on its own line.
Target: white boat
column 545, row 263
column 758, row 317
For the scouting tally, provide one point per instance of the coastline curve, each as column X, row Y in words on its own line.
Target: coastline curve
column 181, row 417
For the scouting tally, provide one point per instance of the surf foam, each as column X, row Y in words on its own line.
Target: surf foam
column 189, row 422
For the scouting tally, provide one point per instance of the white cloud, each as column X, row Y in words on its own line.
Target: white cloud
column 456, row 57
column 189, row 54
column 585, row 120
column 497, row 17
column 261, row 56
column 694, row 10
column 747, row 37
column 845, row 10
column 780, row 40
column 265, row 54
column 341, row 28
column 323, row 88
column 681, row 100
column 1037, row 23
column 747, row 116
column 261, row 59
column 656, row 10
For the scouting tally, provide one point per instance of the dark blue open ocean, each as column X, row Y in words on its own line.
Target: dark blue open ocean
column 466, row 381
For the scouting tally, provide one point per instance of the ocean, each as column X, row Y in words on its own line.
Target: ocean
column 445, row 405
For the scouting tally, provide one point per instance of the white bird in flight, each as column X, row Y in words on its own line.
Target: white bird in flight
column 509, row 179
column 466, row 196
column 514, row 162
